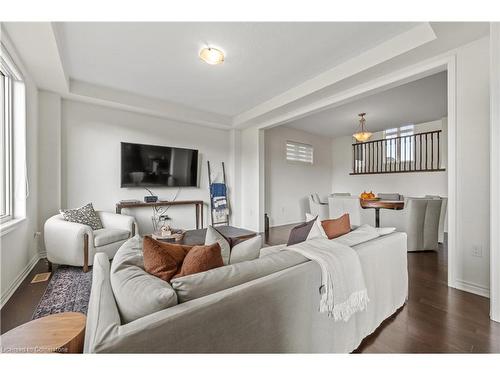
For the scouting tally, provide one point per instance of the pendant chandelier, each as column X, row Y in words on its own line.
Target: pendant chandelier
column 363, row 135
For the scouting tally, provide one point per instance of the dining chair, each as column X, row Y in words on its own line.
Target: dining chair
column 442, row 216
column 339, row 205
column 317, row 208
column 390, row 196
column 419, row 220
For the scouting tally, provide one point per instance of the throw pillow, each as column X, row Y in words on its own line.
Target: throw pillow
column 83, row 215
column 300, row 232
column 214, row 236
column 163, row 259
column 337, row 227
column 200, row 259
column 317, row 229
column 244, row 250
column 137, row 293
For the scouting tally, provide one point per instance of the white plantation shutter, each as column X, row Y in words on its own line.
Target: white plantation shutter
column 300, row 152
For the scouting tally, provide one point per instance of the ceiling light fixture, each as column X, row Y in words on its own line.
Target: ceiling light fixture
column 363, row 135
column 212, row 56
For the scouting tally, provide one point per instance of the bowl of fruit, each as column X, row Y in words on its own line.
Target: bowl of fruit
column 368, row 196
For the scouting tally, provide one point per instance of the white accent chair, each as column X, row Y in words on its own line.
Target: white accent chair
column 318, row 208
column 419, row 220
column 76, row 244
column 339, row 205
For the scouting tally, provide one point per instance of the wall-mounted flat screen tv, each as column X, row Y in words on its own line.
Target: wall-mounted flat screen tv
column 155, row 166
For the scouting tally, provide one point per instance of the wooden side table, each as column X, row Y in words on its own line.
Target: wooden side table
column 58, row 333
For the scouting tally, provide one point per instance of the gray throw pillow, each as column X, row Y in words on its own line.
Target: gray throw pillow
column 248, row 249
column 84, row 215
column 300, row 232
column 137, row 293
column 234, row 251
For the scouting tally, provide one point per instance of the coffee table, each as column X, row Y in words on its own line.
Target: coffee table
column 197, row 236
column 57, row 333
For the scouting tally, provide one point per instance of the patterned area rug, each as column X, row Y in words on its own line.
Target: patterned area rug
column 68, row 290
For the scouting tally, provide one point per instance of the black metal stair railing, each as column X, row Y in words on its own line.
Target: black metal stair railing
column 410, row 153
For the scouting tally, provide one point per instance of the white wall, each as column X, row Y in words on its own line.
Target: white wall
column 251, row 153
column 18, row 248
column 473, row 165
column 287, row 184
column 49, row 160
column 234, row 188
column 495, row 169
column 91, row 137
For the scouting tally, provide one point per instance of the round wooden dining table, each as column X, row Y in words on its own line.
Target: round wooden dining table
column 377, row 204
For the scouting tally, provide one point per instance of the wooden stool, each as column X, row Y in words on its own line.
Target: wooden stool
column 58, row 333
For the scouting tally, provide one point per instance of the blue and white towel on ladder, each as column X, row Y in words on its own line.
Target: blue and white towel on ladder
column 219, row 200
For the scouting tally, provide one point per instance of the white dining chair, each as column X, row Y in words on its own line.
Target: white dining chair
column 442, row 216
column 317, row 208
column 390, row 196
column 340, row 195
column 339, row 205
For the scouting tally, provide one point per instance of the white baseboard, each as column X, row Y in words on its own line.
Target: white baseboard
column 469, row 287
column 18, row 280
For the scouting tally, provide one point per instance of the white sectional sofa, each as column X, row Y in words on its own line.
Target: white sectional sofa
column 270, row 306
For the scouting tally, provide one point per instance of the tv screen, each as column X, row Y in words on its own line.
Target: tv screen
column 150, row 166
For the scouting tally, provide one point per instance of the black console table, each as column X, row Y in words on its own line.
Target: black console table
column 198, row 207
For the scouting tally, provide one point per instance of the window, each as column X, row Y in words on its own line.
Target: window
column 299, row 152
column 11, row 118
column 403, row 150
column 6, row 148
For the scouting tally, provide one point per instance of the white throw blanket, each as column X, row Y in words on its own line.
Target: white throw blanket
column 343, row 291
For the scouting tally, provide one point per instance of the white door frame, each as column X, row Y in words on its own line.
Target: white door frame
column 443, row 62
column 494, row 171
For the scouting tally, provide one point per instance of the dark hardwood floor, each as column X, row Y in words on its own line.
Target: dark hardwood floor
column 436, row 319
column 20, row 307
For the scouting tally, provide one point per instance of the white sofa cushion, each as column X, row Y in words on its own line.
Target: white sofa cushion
column 137, row 293
column 106, row 236
column 270, row 250
column 204, row 283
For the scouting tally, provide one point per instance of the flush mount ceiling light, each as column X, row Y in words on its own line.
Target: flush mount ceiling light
column 363, row 135
column 212, row 56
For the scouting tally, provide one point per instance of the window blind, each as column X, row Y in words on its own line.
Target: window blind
column 299, row 152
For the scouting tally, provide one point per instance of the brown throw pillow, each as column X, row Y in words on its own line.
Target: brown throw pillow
column 200, row 259
column 300, row 232
column 163, row 259
column 337, row 227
